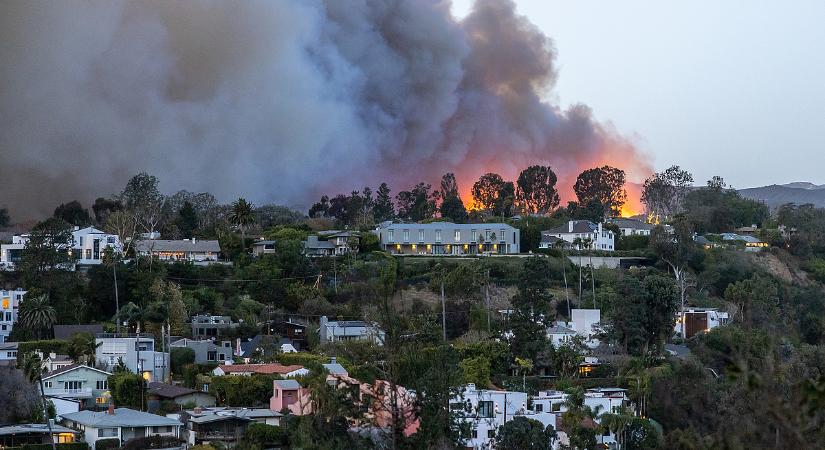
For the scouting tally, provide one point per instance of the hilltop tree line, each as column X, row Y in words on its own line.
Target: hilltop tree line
column 600, row 192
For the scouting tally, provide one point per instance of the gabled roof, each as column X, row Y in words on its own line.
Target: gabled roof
column 180, row 245
column 579, row 226
column 558, row 329
column 67, row 331
column 123, row 417
column 70, row 368
column 630, row 223
column 335, row 369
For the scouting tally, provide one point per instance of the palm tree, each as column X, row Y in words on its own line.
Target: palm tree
column 242, row 216
column 83, row 347
column 616, row 423
column 32, row 366
column 36, row 313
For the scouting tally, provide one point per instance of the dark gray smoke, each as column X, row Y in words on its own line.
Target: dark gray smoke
column 275, row 100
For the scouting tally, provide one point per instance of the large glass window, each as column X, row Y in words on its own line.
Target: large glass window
column 473, row 234
column 438, row 235
column 457, row 235
column 406, row 235
column 420, row 235
column 102, row 385
column 485, row 410
column 390, row 236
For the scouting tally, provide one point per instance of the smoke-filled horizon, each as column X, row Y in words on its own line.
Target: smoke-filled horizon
column 280, row 101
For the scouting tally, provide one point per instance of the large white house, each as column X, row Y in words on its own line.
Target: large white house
column 87, row 247
column 486, row 410
column 579, row 233
column 137, row 351
column 9, row 305
column 600, row 400
column 122, row 424
column 447, row 238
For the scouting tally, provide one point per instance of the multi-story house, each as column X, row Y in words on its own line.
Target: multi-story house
column 85, row 385
column 331, row 243
column 122, row 424
column 87, row 247
column 447, row 238
column 349, row 330
column 192, row 250
column 582, row 234
column 487, row 410
column 137, row 351
column 54, row 361
column 599, row 400
column 632, row 227
column 207, row 351
column 9, row 305
column 206, row 325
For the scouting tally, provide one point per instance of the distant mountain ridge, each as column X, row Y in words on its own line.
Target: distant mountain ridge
column 799, row 192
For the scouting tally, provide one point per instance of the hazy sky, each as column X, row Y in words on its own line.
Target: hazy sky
column 731, row 88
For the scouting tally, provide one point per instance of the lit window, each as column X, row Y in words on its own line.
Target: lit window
column 5, row 303
column 100, row 400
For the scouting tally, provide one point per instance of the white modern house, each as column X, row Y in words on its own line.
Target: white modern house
column 137, row 351
column 447, row 238
column 120, row 423
column 85, row 386
column 88, row 247
column 192, row 250
column 600, row 400
column 207, row 351
column 578, row 232
column 349, row 330
column 486, row 410
column 632, row 227
column 9, row 306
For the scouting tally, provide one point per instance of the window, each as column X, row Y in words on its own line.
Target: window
column 491, row 433
column 457, row 234
column 102, row 385
column 47, row 384
column 485, row 409
column 473, row 235
column 205, row 388
column 474, row 433
column 539, row 407
column 106, row 432
column 438, row 235
column 501, row 234
column 222, row 357
column 110, row 240
column 12, row 354
column 88, row 253
column 5, row 303
column 100, row 400
column 406, row 235
column 72, row 385
column 420, row 235
column 555, row 407
column 81, row 241
column 3, row 327
column 390, row 236
column 8, row 317
column 166, row 429
column 486, row 235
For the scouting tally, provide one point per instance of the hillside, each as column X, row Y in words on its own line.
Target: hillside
column 776, row 195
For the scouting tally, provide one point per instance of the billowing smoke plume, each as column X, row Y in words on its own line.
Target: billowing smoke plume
column 277, row 100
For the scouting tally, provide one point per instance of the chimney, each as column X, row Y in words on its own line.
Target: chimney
column 52, row 355
column 333, row 360
column 111, row 410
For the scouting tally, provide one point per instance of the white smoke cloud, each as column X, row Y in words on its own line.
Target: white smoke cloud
column 275, row 100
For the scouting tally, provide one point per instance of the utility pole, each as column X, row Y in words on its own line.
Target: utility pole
column 117, row 301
